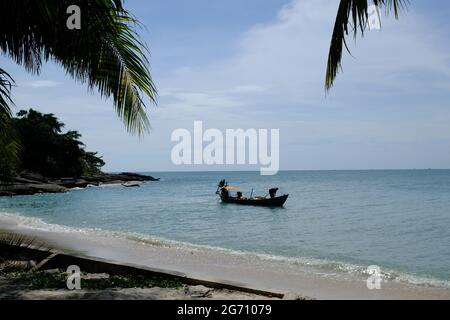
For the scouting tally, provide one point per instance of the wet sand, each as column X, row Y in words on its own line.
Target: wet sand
column 215, row 265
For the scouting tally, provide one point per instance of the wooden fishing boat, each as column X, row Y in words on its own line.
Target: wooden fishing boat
column 258, row 201
column 223, row 190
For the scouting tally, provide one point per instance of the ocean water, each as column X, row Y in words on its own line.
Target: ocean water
column 340, row 221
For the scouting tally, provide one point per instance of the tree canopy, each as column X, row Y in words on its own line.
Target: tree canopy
column 49, row 151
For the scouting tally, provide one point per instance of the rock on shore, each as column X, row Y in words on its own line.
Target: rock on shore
column 32, row 183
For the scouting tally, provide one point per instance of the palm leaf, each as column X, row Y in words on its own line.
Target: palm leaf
column 106, row 53
column 352, row 15
column 6, row 83
column 9, row 143
column 20, row 252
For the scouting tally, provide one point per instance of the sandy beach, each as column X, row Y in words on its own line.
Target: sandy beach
column 214, row 265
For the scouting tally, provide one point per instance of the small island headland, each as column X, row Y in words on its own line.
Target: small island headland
column 44, row 158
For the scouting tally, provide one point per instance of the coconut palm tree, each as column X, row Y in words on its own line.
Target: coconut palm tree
column 352, row 17
column 106, row 53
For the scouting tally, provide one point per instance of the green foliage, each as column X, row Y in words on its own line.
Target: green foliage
column 132, row 281
column 6, row 83
column 9, row 155
column 57, row 280
column 40, row 280
column 49, row 151
column 9, row 160
column 91, row 164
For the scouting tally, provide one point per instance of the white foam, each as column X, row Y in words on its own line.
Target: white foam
column 322, row 267
column 110, row 185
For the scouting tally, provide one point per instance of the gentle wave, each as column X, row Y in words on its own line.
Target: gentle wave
column 323, row 267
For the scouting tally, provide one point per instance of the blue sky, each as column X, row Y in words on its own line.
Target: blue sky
column 260, row 64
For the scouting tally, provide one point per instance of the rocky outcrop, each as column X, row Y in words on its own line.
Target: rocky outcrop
column 29, row 189
column 31, row 183
column 121, row 177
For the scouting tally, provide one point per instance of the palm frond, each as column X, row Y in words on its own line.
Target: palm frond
column 20, row 252
column 6, row 83
column 353, row 14
column 9, row 142
column 106, row 53
column 22, row 241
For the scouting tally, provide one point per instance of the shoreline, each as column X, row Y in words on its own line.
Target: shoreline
column 213, row 265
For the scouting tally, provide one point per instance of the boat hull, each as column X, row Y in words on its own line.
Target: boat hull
column 268, row 202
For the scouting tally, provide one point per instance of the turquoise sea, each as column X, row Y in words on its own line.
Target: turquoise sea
column 341, row 221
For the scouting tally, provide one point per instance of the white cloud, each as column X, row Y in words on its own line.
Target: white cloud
column 43, row 84
column 182, row 70
column 289, row 56
column 249, row 89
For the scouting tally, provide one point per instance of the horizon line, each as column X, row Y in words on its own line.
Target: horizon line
column 286, row 170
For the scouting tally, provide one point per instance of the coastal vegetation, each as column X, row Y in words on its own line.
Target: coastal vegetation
column 51, row 159
column 57, row 279
column 47, row 150
column 19, row 256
